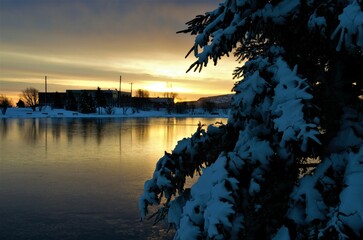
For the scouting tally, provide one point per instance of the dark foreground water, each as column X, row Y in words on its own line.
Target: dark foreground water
column 81, row 178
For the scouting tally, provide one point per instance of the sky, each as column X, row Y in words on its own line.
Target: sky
column 85, row 44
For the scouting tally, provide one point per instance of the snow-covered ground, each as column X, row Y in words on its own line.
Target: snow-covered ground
column 118, row 112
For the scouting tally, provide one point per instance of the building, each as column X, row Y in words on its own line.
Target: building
column 54, row 99
column 59, row 99
column 111, row 96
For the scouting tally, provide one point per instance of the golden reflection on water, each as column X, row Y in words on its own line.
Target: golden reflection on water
column 65, row 168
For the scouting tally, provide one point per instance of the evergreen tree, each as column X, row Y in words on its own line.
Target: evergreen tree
column 71, row 103
column 20, row 104
column 58, row 101
column 100, row 100
column 208, row 106
column 298, row 99
column 86, row 103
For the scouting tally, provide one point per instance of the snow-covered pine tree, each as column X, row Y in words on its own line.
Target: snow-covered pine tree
column 86, row 103
column 298, row 98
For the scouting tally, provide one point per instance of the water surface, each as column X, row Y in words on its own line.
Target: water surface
column 81, row 178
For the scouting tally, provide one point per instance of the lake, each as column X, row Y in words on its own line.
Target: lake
column 80, row 178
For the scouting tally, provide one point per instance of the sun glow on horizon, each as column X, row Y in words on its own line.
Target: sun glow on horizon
column 147, row 53
column 164, row 87
column 156, row 75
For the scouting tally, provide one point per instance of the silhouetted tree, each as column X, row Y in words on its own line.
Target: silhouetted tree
column 109, row 109
column 172, row 95
column 86, row 103
column 58, row 101
column 171, row 100
column 141, row 99
column 208, row 106
column 20, row 104
column 5, row 103
column 141, row 93
column 30, row 96
column 100, row 100
column 71, row 102
column 192, row 107
column 181, row 107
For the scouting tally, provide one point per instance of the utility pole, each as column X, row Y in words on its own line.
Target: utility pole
column 131, row 96
column 119, row 93
column 45, row 90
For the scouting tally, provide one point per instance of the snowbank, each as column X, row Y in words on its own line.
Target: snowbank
column 61, row 113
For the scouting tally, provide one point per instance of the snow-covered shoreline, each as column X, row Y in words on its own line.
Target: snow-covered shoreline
column 61, row 113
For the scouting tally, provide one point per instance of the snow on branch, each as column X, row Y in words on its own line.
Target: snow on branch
column 210, row 207
column 216, row 33
column 330, row 199
column 351, row 212
column 351, row 132
column 278, row 13
column 188, row 157
column 287, row 106
column 282, row 97
column 219, row 31
column 317, row 22
column 311, row 198
column 350, row 28
column 248, row 89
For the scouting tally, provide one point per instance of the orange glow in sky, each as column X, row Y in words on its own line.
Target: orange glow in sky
column 85, row 44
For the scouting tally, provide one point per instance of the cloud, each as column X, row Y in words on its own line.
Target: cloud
column 88, row 41
column 96, row 27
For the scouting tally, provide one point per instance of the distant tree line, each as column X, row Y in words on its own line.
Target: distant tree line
column 95, row 101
